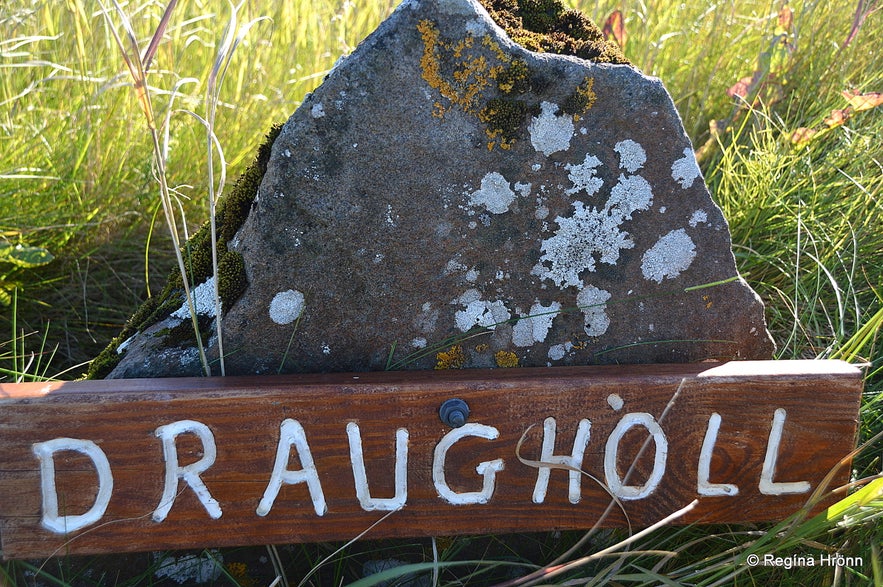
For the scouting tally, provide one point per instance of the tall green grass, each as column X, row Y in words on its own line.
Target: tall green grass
column 806, row 218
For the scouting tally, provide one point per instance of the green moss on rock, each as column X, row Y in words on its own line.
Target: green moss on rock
column 232, row 281
column 547, row 26
column 229, row 217
column 504, row 116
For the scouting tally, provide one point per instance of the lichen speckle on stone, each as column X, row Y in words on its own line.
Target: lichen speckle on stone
column 698, row 217
column 685, row 170
column 550, row 132
column 593, row 303
column 631, row 194
column 203, row 296
column 591, row 232
column 286, row 306
column 584, row 176
column 669, row 257
column 631, row 155
column 534, row 327
column 495, row 194
column 478, row 312
column 557, row 352
column 414, row 230
column 453, row 358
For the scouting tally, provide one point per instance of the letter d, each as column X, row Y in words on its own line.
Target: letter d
column 45, row 451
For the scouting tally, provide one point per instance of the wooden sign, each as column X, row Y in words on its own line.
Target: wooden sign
column 129, row 465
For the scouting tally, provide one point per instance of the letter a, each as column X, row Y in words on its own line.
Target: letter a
column 292, row 434
column 45, row 451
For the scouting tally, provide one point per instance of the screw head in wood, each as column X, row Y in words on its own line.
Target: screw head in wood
column 454, row 412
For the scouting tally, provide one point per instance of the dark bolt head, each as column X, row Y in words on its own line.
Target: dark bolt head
column 454, row 412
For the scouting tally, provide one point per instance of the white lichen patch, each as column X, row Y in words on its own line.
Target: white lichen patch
column 495, row 194
column 631, row 155
column 590, row 232
column 427, row 319
column 203, row 296
column 557, row 352
column 631, row 194
column 454, row 265
column 523, row 189
column 672, row 254
column 685, row 170
column 286, row 307
column 583, row 176
column 535, row 326
column 476, row 27
column 550, row 133
column 317, row 111
column 593, row 304
column 478, row 312
column 419, row 343
column 698, row 217
column 190, row 568
column 571, row 250
column 125, row 345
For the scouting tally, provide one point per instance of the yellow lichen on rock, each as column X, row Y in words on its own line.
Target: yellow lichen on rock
column 472, row 75
column 506, row 359
column 453, row 358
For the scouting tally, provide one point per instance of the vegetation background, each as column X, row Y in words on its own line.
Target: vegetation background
column 779, row 98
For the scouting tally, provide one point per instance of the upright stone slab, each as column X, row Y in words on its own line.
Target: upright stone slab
column 447, row 198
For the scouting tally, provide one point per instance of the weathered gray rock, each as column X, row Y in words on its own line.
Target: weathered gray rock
column 445, row 187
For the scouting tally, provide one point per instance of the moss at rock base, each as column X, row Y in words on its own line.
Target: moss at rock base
column 231, row 213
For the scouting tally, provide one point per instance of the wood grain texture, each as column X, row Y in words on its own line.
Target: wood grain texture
column 820, row 398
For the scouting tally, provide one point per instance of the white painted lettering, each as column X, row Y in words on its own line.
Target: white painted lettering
column 45, row 452
column 703, row 485
column 357, row 458
column 767, row 486
column 189, row 473
column 487, row 469
column 292, row 434
column 574, row 460
column 611, row 453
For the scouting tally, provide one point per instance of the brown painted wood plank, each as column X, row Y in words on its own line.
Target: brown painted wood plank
column 819, row 401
